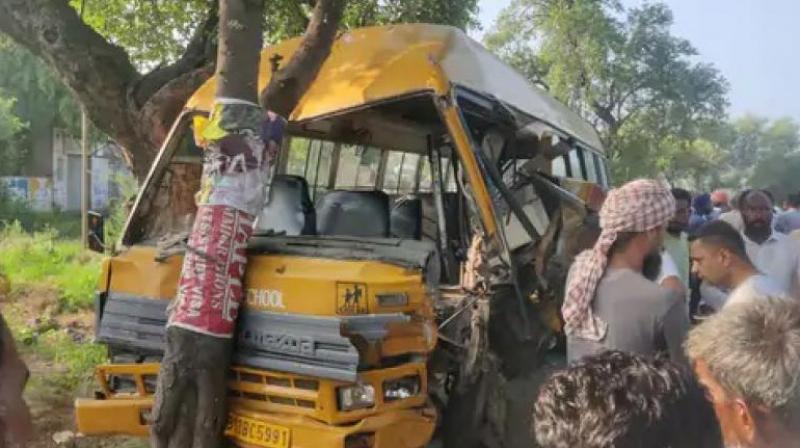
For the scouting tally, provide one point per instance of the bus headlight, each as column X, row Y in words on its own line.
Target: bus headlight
column 401, row 388
column 360, row 396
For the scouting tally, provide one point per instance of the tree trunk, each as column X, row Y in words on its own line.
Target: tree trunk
column 190, row 403
column 290, row 82
column 240, row 39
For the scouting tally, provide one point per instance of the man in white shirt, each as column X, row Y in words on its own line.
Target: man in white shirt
column 669, row 276
column 719, row 258
column 676, row 242
column 772, row 253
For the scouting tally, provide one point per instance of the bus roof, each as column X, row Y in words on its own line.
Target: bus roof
column 383, row 62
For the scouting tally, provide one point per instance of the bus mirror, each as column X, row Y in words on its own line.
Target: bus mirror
column 96, row 234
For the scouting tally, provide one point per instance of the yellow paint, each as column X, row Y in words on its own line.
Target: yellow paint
column 112, row 417
column 311, row 285
column 376, row 63
column 297, row 285
column 137, row 372
column 365, row 65
column 120, row 414
column 476, row 180
column 324, row 398
column 105, row 271
column 136, row 272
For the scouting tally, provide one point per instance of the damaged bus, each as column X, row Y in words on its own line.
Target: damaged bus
column 409, row 258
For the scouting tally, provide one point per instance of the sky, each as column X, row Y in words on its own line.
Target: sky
column 754, row 44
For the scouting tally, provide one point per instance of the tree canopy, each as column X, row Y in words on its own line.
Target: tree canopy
column 30, row 98
column 131, row 24
column 624, row 70
column 133, row 64
column 765, row 154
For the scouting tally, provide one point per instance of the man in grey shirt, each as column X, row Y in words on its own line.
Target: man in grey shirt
column 609, row 304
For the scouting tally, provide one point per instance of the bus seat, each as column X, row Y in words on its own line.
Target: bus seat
column 354, row 213
column 289, row 208
column 406, row 218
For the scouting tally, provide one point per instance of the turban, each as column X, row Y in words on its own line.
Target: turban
column 720, row 197
column 637, row 206
column 702, row 204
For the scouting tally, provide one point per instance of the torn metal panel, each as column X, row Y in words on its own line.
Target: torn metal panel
column 534, row 209
column 373, row 327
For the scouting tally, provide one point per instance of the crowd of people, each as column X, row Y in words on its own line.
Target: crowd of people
column 682, row 325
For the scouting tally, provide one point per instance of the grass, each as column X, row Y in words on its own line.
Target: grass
column 45, row 258
column 44, row 264
column 73, row 362
column 66, row 224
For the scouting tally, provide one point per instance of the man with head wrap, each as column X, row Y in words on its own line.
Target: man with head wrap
column 702, row 212
column 609, row 304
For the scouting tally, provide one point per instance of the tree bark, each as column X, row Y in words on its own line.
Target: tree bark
column 244, row 141
column 289, row 83
column 134, row 109
column 239, row 53
column 190, row 401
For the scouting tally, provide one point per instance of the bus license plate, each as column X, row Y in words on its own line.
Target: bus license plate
column 256, row 432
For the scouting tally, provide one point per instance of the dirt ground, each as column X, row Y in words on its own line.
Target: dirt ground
column 50, row 398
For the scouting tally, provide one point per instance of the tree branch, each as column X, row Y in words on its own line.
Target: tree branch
column 136, row 111
column 200, row 51
column 96, row 71
column 289, row 83
column 158, row 113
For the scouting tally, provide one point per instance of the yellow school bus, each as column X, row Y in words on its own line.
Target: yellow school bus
column 414, row 217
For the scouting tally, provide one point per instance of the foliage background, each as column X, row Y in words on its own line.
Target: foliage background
column 656, row 105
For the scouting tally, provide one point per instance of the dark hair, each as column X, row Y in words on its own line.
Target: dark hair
column 747, row 193
column 620, row 400
column 682, row 195
column 722, row 235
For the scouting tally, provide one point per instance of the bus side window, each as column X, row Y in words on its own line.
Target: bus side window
column 368, row 165
column 311, row 159
column 358, row 167
column 591, row 169
column 449, row 176
column 599, row 170
column 575, row 165
column 297, row 156
column 425, row 177
column 391, row 175
column 408, row 174
column 348, row 168
column 559, row 167
column 605, row 172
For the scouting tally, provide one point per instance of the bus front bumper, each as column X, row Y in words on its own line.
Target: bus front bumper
column 404, row 428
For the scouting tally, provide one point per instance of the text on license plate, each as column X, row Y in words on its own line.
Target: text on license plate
column 256, row 432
